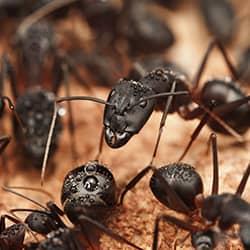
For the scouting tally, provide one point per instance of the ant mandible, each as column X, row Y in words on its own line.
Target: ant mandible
column 221, row 104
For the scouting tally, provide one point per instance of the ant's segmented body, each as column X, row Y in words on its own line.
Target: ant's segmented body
column 88, row 195
column 179, row 187
column 220, row 103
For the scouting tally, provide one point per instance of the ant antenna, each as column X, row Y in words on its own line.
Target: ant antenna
column 53, row 121
column 165, row 94
column 7, row 189
column 32, row 189
column 40, row 13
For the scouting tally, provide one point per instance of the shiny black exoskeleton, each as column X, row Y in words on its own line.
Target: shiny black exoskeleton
column 148, row 63
column 183, row 179
column 219, row 16
column 91, row 188
column 179, row 187
column 88, row 197
column 124, row 119
column 221, row 104
column 12, row 237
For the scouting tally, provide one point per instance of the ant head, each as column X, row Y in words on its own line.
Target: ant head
column 182, row 179
column 35, row 109
column 123, row 119
column 89, row 189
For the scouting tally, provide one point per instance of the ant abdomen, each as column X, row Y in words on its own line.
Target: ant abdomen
column 35, row 109
column 89, row 189
column 224, row 92
column 183, row 180
column 13, row 237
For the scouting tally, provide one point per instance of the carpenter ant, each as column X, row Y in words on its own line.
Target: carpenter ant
column 219, row 17
column 133, row 105
column 88, row 195
column 35, row 106
column 179, row 187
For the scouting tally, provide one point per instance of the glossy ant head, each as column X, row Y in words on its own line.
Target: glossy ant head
column 183, row 180
column 122, row 120
column 90, row 187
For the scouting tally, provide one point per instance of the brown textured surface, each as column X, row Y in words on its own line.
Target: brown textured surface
column 136, row 219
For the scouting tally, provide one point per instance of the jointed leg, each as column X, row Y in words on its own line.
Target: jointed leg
column 134, row 181
column 104, row 229
column 163, row 120
column 243, row 181
column 170, row 219
column 214, row 43
column 215, row 184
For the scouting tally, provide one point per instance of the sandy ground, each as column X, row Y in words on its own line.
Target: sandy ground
column 135, row 220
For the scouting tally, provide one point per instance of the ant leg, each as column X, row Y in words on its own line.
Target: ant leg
column 215, row 184
column 213, row 43
column 71, row 118
column 7, row 71
column 194, row 135
column 163, row 121
column 104, row 229
column 170, row 219
column 100, row 146
column 4, row 141
column 134, row 181
column 243, row 181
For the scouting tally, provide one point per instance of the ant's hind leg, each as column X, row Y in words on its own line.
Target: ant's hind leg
column 170, row 219
column 214, row 43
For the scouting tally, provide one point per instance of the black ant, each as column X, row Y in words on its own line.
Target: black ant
column 35, row 106
column 179, row 187
column 12, row 237
column 221, row 104
column 88, row 196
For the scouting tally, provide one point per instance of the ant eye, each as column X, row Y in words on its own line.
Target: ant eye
column 143, row 104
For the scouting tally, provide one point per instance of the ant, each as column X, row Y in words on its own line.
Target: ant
column 88, row 195
column 221, row 104
column 35, row 106
column 179, row 187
